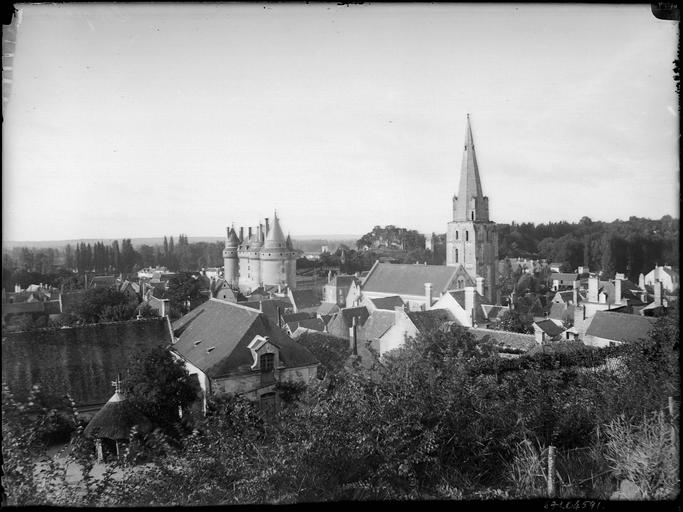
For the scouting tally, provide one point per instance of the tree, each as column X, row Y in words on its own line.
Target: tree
column 158, row 384
column 102, row 304
column 512, row 321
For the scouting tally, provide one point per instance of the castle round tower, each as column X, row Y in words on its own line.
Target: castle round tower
column 273, row 257
column 231, row 259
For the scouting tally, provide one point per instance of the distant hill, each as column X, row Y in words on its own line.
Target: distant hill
column 302, row 242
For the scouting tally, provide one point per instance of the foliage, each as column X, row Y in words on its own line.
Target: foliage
column 511, row 320
column 158, row 384
column 392, row 237
column 103, row 305
column 645, row 454
column 184, row 294
column 332, row 352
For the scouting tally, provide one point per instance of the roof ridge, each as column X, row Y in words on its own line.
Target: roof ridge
column 246, row 308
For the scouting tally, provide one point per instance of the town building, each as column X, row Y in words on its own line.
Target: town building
column 236, row 349
column 664, row 274
column 264, row 258
column 471, row 238
column 611, row 328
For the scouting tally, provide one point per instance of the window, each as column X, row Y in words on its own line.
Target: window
column 467, row 236
column 456, row 256
column 472, row 214
column 267, row 362
column 456, row 234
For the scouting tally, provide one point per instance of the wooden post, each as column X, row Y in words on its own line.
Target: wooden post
column 551, row 471
column 118, row 454
column 674, row 439
column 98, row 449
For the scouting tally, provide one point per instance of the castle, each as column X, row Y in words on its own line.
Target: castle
column 264, row 258
column 471, row 238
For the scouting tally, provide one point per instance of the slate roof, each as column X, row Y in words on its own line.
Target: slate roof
column 493, row 312
column 115, row 420
column 295, row 317
column 314, row 324
column 229, row 328
column 269, row 307
column 327, row 308
column 388, row 303
column 344, row 281
column 559, row 311
column 304, row 299
column 620, row 326
column 563, row 276
column 360, row 313
column 479, row 315
column 70, row 300
column 102, row 282
column 566, row 296
column 408, row 279
column 376, row 325
column 81, row 361
column 425, row 321
column 550, row 328
column 506, row 339
column 339, row 323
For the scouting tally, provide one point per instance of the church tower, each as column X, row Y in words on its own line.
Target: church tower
column 471, row 238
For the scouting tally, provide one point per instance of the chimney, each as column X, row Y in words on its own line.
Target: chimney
column 469, row 304
column 17, row 288
column 641, row 281
column 658, row 293
column 575, row 295
column 241, row 233
column 279, row 316
column 352, row 336
column 164, row 310
column 249, row 231
column 260, row 306
column 617, row 290
column 428, row 295
column 480, row 285
column 593, row 284
column 267, row 226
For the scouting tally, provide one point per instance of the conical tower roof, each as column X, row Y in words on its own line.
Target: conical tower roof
column 275, row 239
column 288, row 242
column 233, row 240
column 470, row 182
column 115, row 419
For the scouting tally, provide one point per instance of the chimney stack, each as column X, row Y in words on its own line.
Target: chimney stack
column 658, row 293
column 469, row 304
column 593, row 283
column 428, row 295
column 352, row 336
column 164, row 310
column 617, row 290
column 249, row 232
column 480, row 286
column 641, row 281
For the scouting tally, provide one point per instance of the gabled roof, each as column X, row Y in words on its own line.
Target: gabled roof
column 425, row 321
column 81, row 360
column 229, row 328
column 620, row 326
column 313, row 324
column 269, row 306
column 102, row 282
column 479, row 300
column 295, row 317
column 327, row 308
column 344, row 281
column 565, row 296
column 560, row 311
column 304, row 299
column 563, row 276
column 275, row 238
column 407, row 279
column 388, row 303
column 492, row 312
column 376, row 325
column 115, row 420
column 360, row 313
column 550, row 328
column 506, row 339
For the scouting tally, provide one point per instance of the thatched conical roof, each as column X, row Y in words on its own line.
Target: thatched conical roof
column 115, row 420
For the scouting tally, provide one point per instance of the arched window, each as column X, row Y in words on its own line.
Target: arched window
column 456, row 256
column 456, row 234
column 467, row 236
column 472, row 214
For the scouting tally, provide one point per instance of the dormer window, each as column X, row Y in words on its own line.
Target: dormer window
column 267, row 362
column 197, row 342
column 209, row 349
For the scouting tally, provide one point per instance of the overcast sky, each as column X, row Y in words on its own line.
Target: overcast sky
column 144, row 120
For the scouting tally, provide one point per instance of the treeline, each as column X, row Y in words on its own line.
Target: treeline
column 633, row 246
column 116, row 258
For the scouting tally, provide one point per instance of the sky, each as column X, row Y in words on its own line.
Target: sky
column 140, row 120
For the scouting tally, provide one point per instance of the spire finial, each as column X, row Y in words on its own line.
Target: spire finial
column 117, row 383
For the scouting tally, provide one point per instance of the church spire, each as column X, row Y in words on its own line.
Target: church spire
column 470, row 203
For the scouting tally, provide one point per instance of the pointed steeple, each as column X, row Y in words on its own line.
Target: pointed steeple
column 470, row 203
column 233, row 241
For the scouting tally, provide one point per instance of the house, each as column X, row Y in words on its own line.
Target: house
column 337, row 288
column 562, row 312
column 131, row 291
column 509, row 344
column 563, row 280
column 108, row 282
column 327, row 308
column 303, row 300
column 378, row 322
column 408, row 324
column 81, row 361
column 417, row 285
column 549, row 330
column 236, row 349
column 467, row 306
column 666, row 274
column 341, row 324
column 610, row 328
